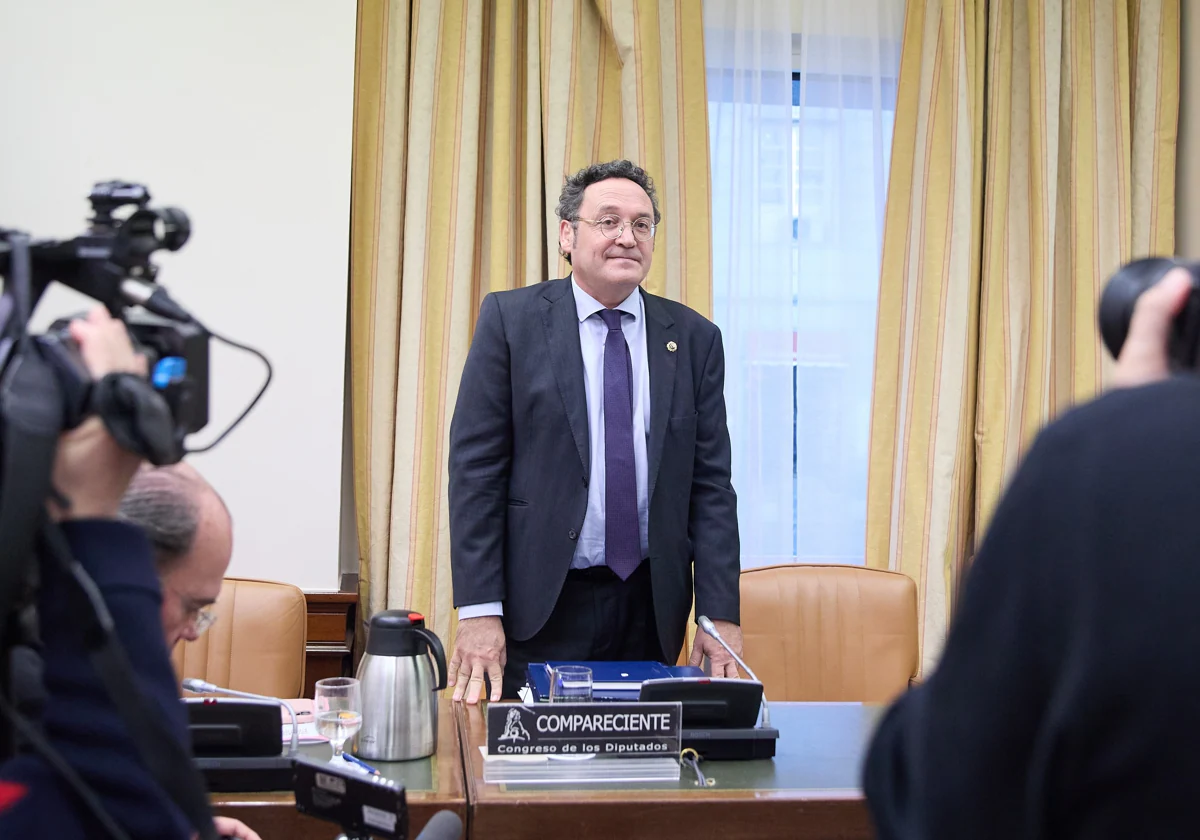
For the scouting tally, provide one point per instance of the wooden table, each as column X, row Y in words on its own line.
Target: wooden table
column 809, row 791
column 431, row 785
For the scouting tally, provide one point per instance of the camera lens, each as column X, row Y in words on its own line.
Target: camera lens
column 1121, row 294
column 173, row 228
column 148, row 230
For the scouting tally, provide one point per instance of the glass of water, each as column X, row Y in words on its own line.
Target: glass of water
column 571, row 684
column 338, row 707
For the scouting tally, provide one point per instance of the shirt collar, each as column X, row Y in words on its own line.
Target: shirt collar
column 586, row 306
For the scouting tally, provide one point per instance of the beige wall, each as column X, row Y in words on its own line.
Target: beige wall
column 240, row 112
column 1187, row 195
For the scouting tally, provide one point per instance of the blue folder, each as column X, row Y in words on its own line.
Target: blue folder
column 610, row 680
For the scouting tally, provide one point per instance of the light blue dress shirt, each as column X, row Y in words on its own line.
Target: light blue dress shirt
column 589, row 549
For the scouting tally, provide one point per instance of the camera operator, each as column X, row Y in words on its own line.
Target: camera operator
column 1064, row 704
column 91, row 473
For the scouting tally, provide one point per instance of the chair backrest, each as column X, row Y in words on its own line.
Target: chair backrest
column 829, row 633
column 257, row 643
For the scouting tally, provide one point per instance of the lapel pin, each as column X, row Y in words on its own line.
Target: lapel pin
column 672, row 346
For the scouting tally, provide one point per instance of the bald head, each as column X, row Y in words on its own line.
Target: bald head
column 168, row 503
column 191, row 533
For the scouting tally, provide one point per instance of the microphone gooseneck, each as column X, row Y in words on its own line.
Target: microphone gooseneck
column 201, row 687
column 711, row 629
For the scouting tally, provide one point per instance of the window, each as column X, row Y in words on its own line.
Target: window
column 798, row 316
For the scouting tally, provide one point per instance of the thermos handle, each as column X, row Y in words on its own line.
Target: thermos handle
column 439, row 654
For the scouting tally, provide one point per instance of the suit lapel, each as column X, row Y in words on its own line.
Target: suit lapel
column 561, row 322
column 660, row 331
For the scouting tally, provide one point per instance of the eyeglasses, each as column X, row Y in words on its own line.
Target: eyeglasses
column 203, row 619
column 612, row 227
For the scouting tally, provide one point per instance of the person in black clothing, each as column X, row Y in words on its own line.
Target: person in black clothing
column 1064, row 705
column 78, row 718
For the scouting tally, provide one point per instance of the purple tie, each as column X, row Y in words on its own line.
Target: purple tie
column 622, row 535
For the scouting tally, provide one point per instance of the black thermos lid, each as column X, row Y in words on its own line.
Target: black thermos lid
column 391, row 634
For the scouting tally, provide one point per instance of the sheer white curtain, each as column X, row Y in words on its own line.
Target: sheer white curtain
column 801, row 99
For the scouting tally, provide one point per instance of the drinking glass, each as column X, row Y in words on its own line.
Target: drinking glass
column 571, row 684
column 338, row 707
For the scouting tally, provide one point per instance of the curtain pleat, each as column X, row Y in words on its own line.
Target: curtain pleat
column 1034, row 153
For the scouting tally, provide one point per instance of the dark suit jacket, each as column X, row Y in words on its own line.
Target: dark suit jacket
column 519, row 462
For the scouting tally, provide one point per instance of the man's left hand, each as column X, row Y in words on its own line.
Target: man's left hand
column 723, row 664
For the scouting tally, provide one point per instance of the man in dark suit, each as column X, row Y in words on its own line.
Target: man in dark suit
column 590, row 460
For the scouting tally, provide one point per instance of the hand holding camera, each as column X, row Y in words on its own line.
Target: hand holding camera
column 91, row 470
column 1150, row 320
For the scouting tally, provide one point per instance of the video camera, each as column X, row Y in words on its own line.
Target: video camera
column 111, row 263
column 45, row 390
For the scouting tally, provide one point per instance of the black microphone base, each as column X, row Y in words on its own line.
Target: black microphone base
column 732, row 744
column 243, row 775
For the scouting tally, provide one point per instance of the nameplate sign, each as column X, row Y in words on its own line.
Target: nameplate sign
column 619, row 730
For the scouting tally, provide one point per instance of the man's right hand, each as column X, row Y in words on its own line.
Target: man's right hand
column 478, row 650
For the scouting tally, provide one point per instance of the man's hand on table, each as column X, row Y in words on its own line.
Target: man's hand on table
column 479, row 649
column 723, row 665
column 229, row 827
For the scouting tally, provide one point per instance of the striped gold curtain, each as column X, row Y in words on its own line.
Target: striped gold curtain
column 1034, row 152
column 468, row 117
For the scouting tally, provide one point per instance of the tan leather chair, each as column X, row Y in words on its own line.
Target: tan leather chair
column 830, row 633
column 257, row 643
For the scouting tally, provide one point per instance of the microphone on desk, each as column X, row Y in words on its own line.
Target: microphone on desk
column 444, row 825
column 708, row 627
column 201, row 687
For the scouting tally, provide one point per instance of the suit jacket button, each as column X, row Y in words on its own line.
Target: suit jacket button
column 571, row 534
